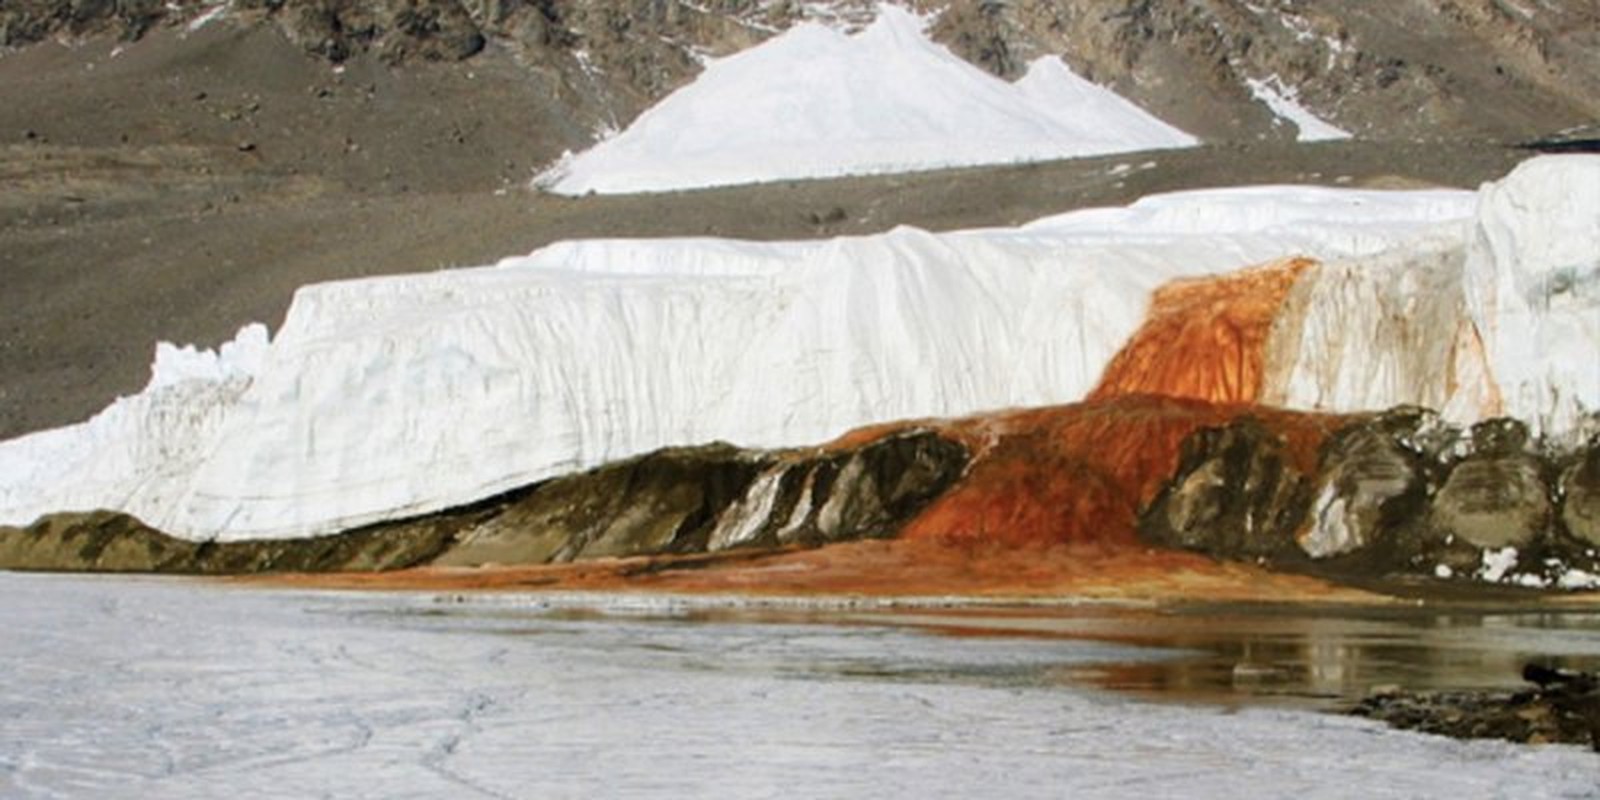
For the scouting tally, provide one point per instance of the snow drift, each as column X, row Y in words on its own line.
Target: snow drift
column 813, row 102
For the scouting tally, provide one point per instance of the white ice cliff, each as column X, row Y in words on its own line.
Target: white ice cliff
column 814, row 102
column 1503, row 320
column 399, row 395
column 385, row 397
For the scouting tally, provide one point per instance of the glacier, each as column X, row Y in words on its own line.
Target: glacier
column 814, row 102
column 1504, row 321
column 387, row 397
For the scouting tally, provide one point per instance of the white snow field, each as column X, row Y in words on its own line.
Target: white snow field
column 814, row 102
column 169, row 690
column 392, row 396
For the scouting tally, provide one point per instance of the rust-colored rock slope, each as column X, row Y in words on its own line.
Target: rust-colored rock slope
column 1079, row 474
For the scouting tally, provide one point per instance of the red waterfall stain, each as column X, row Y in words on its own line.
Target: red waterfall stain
column 1078, row 474
column 1204, row 338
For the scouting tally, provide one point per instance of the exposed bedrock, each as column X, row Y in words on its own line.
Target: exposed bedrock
column 1399, row 492
column 1580, row 494
column 104, row 541
column 678, row 500
column 1497, row 496
column 1235, row 492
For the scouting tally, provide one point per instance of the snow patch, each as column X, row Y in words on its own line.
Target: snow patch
column 211, row 14
column 1285, row 102
column 1497, row 564
column 814, row 102
column 1577, row 579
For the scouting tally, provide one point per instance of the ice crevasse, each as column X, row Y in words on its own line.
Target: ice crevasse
column 385, row 397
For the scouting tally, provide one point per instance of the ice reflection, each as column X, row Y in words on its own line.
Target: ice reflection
column 1316, row 657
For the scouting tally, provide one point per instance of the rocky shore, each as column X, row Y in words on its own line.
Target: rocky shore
column 1561, row 707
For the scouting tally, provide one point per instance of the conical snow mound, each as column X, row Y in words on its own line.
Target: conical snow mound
column 814, row 103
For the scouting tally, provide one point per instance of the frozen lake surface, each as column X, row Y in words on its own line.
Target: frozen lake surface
column 156, row 688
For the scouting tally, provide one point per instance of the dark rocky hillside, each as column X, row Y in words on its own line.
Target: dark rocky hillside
column 1380, row 68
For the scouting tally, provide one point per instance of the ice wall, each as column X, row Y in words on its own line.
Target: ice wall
column 393, row 396
column 1532, row 281
column 1502, row 320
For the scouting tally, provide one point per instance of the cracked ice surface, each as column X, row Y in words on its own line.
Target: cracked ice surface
column 133, row 688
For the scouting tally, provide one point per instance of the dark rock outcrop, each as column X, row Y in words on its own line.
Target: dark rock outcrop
column 104, row 541
column 1400, row 493
column 436, row 30
column 1372, row 480
column 673, row 501
column 23, row 21
column 1495, row 497
column 1580, row 495
column 1235, row 492
column 658, row 503
column 714, row 498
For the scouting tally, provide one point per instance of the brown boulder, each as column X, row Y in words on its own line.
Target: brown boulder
column 1369, row 483
column 1236, row 494
column 1580, row 495
column 1497, row 496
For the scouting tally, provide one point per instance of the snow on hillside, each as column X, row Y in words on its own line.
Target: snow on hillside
column 392, row 396
column 1284, row 102
column 814, row 102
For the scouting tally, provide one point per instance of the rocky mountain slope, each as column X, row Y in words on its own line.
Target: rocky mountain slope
column 1416, row 68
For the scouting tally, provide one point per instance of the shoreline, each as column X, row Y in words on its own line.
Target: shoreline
column 902, row 574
